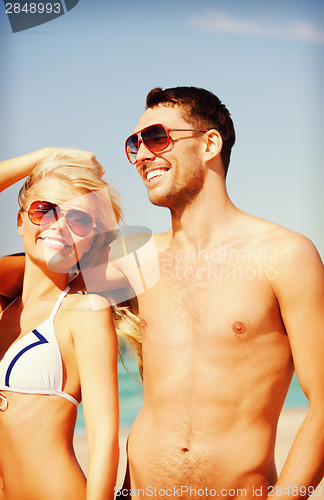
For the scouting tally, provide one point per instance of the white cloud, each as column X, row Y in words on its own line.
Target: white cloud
column 309, row 32
column 217, row 21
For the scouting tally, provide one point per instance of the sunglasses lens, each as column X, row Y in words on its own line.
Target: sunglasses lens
column 42, row 212
column 132, row 147
column 80, row 222
column 155, row 137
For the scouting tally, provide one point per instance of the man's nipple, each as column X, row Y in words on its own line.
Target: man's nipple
column 239, row 328
column 143, row 324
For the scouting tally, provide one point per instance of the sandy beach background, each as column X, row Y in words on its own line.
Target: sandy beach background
column 289, row 424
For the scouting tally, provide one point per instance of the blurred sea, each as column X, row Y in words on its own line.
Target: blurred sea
column 131, row 396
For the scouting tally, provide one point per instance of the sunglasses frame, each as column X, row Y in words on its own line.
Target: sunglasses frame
column 167, row 130
column 58, row 213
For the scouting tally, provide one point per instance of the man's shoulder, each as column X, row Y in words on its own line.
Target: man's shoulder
column 284, row 238
column 289, row 251
column 276, row 235
column 271, row 243
column 162, row 238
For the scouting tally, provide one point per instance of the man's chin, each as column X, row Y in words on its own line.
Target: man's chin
column 159, row 201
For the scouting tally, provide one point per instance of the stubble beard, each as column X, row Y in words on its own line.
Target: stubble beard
column 179, row 197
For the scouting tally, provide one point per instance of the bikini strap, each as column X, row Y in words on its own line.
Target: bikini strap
column 4, row 310
column 58, row 302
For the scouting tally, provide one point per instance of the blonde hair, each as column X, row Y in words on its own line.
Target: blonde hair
column 82, row 174
column 128, row 327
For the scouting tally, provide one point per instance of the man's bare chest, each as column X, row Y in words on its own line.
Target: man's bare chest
column 238, row 308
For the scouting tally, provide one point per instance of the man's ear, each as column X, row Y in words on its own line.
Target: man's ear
column 214, row 143
column 20, row 224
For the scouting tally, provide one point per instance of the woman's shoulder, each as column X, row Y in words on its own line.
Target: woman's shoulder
column 84, row 313
column 85, row 302
column 83, row 309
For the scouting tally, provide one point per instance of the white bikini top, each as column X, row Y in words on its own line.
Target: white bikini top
column 33, row 364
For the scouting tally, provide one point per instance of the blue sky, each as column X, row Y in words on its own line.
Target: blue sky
column 81, row 80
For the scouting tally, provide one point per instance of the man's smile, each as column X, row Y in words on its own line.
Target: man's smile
column 154, row 173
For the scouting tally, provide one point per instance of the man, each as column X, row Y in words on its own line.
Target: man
column 238, row 306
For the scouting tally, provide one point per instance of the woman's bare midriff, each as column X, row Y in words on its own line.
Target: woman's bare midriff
column 37, row 460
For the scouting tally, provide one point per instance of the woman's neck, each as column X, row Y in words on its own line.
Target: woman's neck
column 41, row 283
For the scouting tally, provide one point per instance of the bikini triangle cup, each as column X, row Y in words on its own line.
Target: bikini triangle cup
column 46, row 375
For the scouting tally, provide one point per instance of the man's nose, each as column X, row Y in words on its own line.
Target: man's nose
column 143, row 153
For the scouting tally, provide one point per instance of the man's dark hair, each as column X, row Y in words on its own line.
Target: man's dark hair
column 202, row 109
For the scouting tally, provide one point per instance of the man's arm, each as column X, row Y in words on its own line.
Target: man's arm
column 11, row 275
column 128, row 268
column 300, row 292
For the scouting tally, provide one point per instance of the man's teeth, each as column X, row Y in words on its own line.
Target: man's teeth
column 155, row 173
column 52, row 243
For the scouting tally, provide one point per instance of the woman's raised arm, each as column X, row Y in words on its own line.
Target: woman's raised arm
column 15, row 169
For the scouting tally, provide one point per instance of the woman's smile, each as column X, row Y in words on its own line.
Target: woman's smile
column 55, row 243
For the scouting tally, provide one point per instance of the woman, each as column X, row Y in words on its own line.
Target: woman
column 56, row 346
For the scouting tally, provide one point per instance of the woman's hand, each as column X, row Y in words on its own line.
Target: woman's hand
column 15, row 169
column 93, row 159
column 88, row 158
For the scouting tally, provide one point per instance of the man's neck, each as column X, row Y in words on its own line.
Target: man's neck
column 206, row 220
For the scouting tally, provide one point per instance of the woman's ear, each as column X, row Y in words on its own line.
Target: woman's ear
column 86, row 252
column 90, row 242
column 96, row 248
column 20, row 224
column 214, row 144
